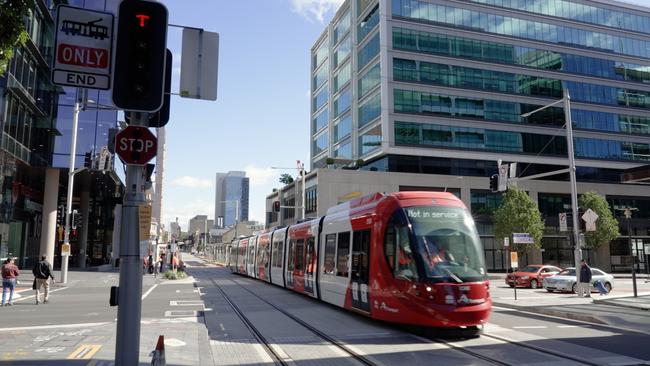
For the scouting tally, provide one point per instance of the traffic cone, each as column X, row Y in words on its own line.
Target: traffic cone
column 160, row 347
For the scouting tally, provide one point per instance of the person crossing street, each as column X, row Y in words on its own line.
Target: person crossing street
column 42, row 272
column 9, row 279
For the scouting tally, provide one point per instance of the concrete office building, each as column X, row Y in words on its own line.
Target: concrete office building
column 437, row 88
column 36, row 120
column 231, row 198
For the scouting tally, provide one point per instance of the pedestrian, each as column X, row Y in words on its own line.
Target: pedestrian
column 584, row 288
column 162, row 262
column 10, row 275
column 175, row 262
column 42, row 273
column 151, row 263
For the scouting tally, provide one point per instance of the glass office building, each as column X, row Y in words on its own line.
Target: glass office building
column 231, row 198
column 439, row 87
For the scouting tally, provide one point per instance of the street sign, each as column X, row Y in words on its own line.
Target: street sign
column 144, row 214
column 135, row 145
column 199, row 64
column 506, row 242
column 563, row 222
column 83, row 47
column 522, row 238
column 514, row 260
column 590, row 218
column 503, row 177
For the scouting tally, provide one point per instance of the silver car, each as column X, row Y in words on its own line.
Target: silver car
column 566, row 280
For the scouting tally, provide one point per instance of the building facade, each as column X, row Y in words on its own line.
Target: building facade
column 439, row 87
column 36, row 119
column 231, row 198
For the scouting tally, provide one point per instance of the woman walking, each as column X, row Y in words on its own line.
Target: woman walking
column 9, row 274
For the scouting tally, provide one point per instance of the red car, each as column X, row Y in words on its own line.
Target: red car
column 531, row 276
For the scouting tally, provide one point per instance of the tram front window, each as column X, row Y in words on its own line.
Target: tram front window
column 447, row 243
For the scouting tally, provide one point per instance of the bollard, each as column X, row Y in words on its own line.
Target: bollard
column 158, row 355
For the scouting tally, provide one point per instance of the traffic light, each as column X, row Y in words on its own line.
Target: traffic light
column 73, row 221
column 140, row 56
column 276, row 206
column 88, row 160
column 161, row 117
column 494, row 183
column 60, row 215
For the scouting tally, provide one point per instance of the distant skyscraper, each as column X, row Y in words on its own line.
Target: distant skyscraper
column 231, row 198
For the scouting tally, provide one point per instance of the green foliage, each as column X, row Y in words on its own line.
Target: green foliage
column 286, row 178
column 179, row 275
column 518, row 213
column 606, row 224
column 12, row 31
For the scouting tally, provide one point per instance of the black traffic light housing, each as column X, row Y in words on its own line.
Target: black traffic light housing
column 74, row 219
column 88, row 160
column 140, row 56
column 60, row 215
column 276, row 206
column 494, row 183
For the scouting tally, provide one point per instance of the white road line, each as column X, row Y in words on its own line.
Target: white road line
column 571, row 326
column 78, row 325
column 32, row 296
column 149, row 291
column 530, row 327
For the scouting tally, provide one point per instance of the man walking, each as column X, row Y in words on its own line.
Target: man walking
column 42, row 273
column 584, row 288
column 9, row 274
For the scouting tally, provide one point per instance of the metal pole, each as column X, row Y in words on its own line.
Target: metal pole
column 127, row 343
column 628, row 214
column 68, row 206
column 304, row 185
column 577, row 251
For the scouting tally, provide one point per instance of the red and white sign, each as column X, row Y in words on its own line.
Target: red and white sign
column 84, row 41
column 135, row 145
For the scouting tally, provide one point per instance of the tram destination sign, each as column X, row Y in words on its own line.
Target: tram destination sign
column 83, row 47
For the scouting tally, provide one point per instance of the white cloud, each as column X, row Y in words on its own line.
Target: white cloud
column 260, row 176
column 192, row 182
column 186, row 210
column 317, row 9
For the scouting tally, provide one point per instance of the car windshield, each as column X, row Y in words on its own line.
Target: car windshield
column 568, row 272
column 529, row 269
column 447, row 243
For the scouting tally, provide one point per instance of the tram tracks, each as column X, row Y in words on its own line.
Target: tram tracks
column 281, row 359
column 276, row 354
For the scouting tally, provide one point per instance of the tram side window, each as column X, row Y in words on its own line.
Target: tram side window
column 398, row 251
column 343, row 250
column 251, row 255
column 274, row 255
column 330, row 253
column 292, row 245
column 309, row 255
column 300, row 255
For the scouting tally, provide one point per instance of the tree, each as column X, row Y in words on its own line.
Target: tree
column 12, row 32
column 518, row 213
column 286, row 178
column 606, row 224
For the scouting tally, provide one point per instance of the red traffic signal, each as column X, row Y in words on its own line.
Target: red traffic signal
column 276, row 206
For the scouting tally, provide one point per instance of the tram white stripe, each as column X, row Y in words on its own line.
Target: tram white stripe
column 530, row 327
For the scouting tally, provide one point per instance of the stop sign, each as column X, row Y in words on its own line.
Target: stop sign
column 135, row 145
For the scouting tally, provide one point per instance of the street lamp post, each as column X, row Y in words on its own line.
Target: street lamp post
column 627, row 211
column 566, row 99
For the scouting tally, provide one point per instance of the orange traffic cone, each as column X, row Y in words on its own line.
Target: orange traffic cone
column 158, row 358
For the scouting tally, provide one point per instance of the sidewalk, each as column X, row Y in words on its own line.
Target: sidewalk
column 78, row 326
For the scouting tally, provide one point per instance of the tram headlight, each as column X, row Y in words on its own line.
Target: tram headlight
column 429, row 289
column 524, row 277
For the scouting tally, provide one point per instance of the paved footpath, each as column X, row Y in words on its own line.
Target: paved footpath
column 78, row 326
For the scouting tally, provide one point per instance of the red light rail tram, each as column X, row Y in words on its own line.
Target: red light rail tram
column 411, row 258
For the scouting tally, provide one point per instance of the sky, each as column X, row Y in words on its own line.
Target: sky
column 261, row 116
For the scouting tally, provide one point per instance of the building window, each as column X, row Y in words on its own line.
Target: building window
column 485, row 202
column 320, row 99
column 341, row 28
column 343, row 127
column 369, row 80
column 311, row 200
column 368, row 52
column 342, row 77
column 320, row 55
column 370, row 141
column 320, row 120
column 342, row 102
column 368, row 23
column 370, row 110
column 344, row 151
column 342, row 52
column 321, row 76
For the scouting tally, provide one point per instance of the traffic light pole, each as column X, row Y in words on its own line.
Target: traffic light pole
column 71, row 172
column 127, row 343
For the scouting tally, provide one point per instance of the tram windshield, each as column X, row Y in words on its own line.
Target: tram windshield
column 448, row 244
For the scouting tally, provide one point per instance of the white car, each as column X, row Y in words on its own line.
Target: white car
column 566, row 280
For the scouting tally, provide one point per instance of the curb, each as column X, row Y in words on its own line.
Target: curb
column 553, row 312
column 612, row 302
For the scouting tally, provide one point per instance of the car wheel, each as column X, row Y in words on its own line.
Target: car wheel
column 533, row 284
column 574, row 288
column 511, row 285
column 549, row 290
column 608, row 286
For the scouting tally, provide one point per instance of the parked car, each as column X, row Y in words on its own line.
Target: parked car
column 566, row 280
column 531, row 276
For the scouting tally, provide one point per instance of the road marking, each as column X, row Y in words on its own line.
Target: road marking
column 84, row 352
column 530, row 327
column 149, row 291
column 572, row 326
column 78, row 325
column 32, row 296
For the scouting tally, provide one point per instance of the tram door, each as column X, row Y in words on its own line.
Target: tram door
column 310, row 264
column 361, row 270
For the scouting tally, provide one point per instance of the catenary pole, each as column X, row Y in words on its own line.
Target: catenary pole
column 577, row 251
column 71, row 171
column 127, row 343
